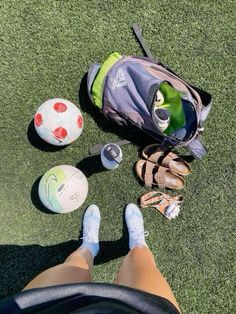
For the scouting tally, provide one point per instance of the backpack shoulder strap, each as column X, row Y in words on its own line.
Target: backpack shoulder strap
column 197, row 148
column 137, row 32
column 92, row 73
column 206, row 100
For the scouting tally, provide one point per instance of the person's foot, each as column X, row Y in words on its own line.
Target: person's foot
column 91, row 223
column 134, row 221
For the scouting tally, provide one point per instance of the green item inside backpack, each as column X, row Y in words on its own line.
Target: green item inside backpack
column 173, row 103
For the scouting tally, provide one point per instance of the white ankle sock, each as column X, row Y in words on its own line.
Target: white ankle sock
column 91, row 223
column 91, row 246
column 134, row 221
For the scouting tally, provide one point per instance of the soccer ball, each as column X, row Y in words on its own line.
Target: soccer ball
column 58, row 122
column 63, row 189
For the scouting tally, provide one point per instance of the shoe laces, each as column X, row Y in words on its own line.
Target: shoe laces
column 135, row 233
column 89, row 235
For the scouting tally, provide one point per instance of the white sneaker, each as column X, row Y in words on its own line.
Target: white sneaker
column 162, row 118
column 91, row 224
column 134, row 221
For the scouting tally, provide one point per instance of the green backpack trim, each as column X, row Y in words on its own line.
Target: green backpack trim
column 97, row 88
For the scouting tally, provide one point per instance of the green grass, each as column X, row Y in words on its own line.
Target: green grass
column 46, row 49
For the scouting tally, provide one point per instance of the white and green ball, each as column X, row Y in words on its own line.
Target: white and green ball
column 63, row 189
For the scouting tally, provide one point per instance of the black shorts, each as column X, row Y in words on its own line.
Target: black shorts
column 86, row 298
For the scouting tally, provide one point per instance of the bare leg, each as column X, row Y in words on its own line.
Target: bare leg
column 76, row 268
column 139, row 271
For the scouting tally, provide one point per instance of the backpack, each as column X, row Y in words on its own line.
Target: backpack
column 124, row 88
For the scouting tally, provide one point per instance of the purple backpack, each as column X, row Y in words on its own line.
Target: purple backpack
column 124, row 88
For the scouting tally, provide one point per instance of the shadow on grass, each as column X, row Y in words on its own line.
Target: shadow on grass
column 36, row 200
column 110, row 250
column 36, row 141
column 188, row 158
column 91, row 165
column 20, row 264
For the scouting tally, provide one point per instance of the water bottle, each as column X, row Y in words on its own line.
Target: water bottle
column 111, row 156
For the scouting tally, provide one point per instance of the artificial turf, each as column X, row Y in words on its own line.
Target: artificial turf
column 47, row 47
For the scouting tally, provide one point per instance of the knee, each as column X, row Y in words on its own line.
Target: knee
column 140, row 252
column 77, row 261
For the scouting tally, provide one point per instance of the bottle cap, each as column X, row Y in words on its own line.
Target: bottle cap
column 112, row 152
column 111, row 156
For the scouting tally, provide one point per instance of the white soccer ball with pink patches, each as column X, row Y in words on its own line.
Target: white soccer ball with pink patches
column 58, row 122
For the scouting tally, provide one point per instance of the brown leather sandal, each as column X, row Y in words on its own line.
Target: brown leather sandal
column 153, row 175
column 168, row 160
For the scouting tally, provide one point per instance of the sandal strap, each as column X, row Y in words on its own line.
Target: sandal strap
column 166, row 160
column 150, row 198
column 160, row 201
column 156, row 196
column 159, row 176
column 159, row 157
column 170, row 157
column 161, row 207
column 148, row 174
column 154, row 157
